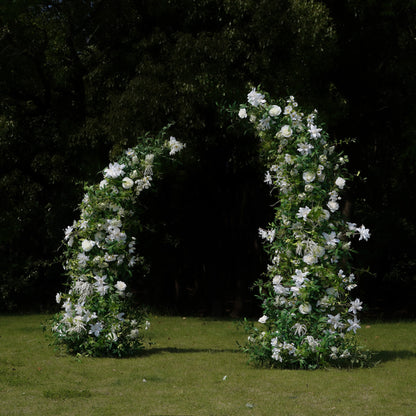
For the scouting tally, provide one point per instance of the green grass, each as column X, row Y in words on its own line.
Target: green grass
column 183, row 372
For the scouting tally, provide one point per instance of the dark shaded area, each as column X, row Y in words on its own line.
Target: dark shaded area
column 376, row 49
column 174, row 350
column 384, row 356
column 200, row 241
column 80, row 80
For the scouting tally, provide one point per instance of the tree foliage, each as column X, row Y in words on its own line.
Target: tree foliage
column 81, row 80
column 374, row 78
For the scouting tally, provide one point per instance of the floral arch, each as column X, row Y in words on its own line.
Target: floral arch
column 309, row 319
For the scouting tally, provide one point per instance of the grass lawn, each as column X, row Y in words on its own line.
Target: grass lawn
column 194, row 368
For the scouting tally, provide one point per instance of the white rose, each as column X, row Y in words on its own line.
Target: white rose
column 340, row 182
column 275, row 110
column 263, row 319
column 308, row 176
column 310, row 259
column 120, row 286
column 242, row 113
column 305, row 308
column 103, row 183
column 286, row 131
column 332, row 205
column 87, row 245
column 127, row 183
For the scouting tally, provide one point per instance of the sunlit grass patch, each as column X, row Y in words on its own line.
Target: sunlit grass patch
column 194, row 367
column 62, row 394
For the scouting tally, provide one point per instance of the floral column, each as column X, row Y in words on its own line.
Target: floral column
column 309, row 313
column 97, row 318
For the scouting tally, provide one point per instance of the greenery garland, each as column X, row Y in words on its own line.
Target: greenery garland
column 309, row 317
column 98, row 318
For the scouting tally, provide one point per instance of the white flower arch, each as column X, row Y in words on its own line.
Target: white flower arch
column 308, row 321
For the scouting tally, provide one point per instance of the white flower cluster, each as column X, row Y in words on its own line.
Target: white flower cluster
column 307, row 241
column 175, row 146
column 255, row 98
column 99, row 254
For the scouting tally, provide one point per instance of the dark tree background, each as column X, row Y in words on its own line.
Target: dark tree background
column 80, row 80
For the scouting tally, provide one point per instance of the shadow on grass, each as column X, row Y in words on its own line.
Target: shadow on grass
column 174, row 350
column 378, row 357
column 384, row 356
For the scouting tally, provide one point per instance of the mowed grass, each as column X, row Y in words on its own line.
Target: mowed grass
column 194, row 367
